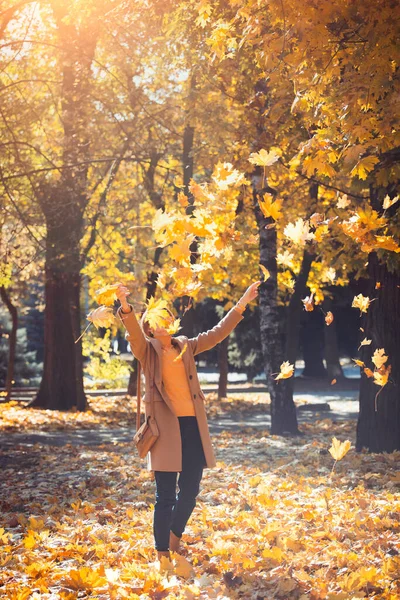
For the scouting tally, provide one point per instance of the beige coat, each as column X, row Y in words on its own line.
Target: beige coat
column 166, row 453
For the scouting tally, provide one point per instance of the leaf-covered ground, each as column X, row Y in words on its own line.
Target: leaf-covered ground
column 110, row 411
column 271, row 521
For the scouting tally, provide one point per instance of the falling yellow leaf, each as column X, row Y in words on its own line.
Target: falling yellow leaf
column 381, row 375
column 181, row 353
column 339, row 449
column 263, row 158
column 329, row 317
column 180, row 251
column 358, row 362
column 265, row 272
column 368, row 372
column 309, row 303
column 157, row 313
column 379, row 357
column 271, row 208
column 343, row 201
column 101, row 317
column 299, row 232
column 361, row 302
column 174, row 327
column 365, row 342
column 183, row 199
column 388, row 202
column 285, row 259
column 286, row 371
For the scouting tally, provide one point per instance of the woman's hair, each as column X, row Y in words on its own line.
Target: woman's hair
column 144, row 324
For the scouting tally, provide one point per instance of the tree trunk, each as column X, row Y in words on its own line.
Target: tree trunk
column 223, row 368
column 333, row 366
column 62, row 382
column 378, row 427
column 313, row 345
column 63, row 203
column 12, row 340
column 283, row 410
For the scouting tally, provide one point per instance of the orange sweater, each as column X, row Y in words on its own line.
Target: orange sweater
column 176, row 383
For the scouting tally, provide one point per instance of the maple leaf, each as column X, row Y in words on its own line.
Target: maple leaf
column 379, row 357
column 107, row 294
column 286, row 371
column 381, row 376
column 156, row 312
column 358, row 362
column 163, row 226
column 285, row 259
column 265, row 272
column 365, row 342
column 263, row 158
column 84, row 579
column 364, row 166
column 368, row 372
column 361, row 302
column 343, row 201
column 174, row 327
column 101, row 317
column 299, row 232
column 162, row 220
column 386, row 242
column 388, row 202
column 271, row 208
column 225, row 175
column 339, row 449
column 183, row 199
column 181, row 250
column 329, row 317
column 181, row 353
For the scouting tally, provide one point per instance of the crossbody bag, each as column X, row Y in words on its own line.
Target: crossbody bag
column 147, row 433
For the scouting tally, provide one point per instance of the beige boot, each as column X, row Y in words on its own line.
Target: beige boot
column 161, row 553
column 174, row 542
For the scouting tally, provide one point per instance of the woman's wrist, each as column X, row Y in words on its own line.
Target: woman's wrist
column 126, row 309
column 240, row 305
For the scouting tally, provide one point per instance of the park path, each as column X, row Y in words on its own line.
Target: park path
column 340, row 406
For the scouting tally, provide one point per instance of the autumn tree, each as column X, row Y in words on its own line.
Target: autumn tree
column 344, row 91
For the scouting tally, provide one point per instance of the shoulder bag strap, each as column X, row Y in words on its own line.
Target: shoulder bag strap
column 138, row 398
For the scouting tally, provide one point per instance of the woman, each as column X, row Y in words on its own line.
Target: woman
column 184, row 444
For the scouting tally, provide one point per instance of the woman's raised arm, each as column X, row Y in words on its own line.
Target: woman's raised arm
column 134, row 335
column 212, row 337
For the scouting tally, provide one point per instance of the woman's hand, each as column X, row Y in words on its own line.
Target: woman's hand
column 250, row 293
column 122, row 292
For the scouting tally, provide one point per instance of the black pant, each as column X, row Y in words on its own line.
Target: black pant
column 171, row 511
